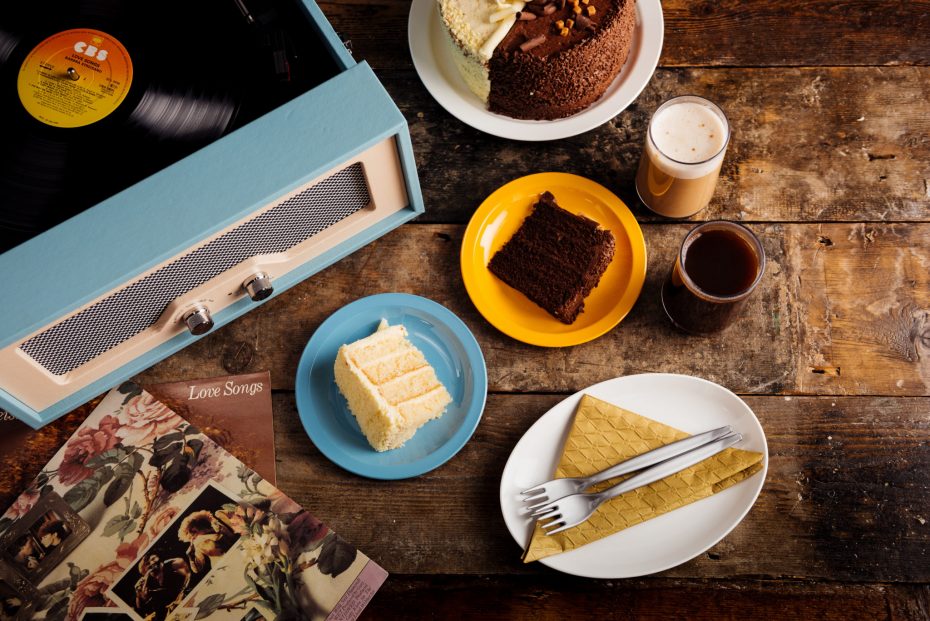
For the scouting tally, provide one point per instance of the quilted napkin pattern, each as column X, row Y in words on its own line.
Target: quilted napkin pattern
column 602, row 435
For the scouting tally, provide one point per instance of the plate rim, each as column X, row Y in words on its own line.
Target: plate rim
column 649, row 14
column 474, row 359
column 577, row 396
column 576, row 337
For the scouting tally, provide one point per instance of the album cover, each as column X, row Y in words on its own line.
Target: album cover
column 178, row 529
column 234, row 411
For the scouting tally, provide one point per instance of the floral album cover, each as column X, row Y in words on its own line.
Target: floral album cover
column 235, row 411
column 142, row 517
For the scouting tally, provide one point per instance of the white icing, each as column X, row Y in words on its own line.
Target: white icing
column 474, row 29
column 487, row 50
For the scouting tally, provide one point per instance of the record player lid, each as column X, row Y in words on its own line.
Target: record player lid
column 160, row 217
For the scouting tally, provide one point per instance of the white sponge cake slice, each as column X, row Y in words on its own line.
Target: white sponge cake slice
column 391, row 389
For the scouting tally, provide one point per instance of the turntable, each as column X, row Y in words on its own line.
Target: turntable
column 167, row 167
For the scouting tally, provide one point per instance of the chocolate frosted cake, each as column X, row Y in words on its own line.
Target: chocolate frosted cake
column 545, row 59
column 555, row 258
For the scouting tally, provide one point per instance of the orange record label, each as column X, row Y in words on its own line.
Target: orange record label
column 75, row 78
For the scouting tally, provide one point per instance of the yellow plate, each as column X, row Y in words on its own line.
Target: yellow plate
column 508, row 310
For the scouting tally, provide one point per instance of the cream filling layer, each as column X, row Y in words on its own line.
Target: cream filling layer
column 474, row 29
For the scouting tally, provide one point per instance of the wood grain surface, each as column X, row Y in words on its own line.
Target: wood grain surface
column 730, row 33
column 558, row 598
column 842, row 309
column 829, row 163
column 846, row 498
column 808, row 144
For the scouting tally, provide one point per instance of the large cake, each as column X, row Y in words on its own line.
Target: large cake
column 391, row 389
column 545, row 59
column 555, row 258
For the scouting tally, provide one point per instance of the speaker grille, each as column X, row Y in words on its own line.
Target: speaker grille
column 124, row 314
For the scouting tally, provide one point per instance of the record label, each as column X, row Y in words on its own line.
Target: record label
column 75, row 78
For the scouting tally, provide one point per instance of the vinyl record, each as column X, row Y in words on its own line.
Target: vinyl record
column 96, row 95
column 173, row 94
column 8, row 43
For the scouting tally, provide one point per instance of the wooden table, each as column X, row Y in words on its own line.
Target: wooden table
column 830, row 165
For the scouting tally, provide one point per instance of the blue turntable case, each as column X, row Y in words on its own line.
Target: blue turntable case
column 111, row 291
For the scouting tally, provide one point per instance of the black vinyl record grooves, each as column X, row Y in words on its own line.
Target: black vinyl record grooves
column 199, row 69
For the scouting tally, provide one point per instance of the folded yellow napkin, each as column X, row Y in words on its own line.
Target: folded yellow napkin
column 603, row 435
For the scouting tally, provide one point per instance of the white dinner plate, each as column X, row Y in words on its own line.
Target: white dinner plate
column 687, row 403
column 433, row 61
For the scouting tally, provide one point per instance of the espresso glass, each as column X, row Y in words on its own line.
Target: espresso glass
column 718, row 267
column 684, row 149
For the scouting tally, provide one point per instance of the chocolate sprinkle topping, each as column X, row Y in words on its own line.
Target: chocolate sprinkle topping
column 525, row 16
column 529, row 44
column 584, row 22
column 563, row 74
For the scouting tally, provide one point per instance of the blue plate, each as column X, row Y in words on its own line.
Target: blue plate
column 449, row 347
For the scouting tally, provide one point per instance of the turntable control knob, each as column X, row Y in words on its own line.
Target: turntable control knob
column 258, row 286
column 198, row 320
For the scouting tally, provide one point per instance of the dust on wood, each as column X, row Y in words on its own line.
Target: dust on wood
column 817, row 144
column 708, row 32
column 756, row 355
column 846, row 497
column 865, row 308
column 848, row 317
column 551, row 597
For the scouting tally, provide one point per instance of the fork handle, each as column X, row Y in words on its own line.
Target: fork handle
column 671, row 466
column 658, row 455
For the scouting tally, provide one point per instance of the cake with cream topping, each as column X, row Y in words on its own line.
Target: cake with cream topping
column 390, row 387
column 545, row 59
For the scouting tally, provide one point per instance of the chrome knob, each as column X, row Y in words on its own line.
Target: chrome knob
column 258, row 286
column 198, row 320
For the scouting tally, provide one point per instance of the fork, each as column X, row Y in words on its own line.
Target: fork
column 572, row 510
column 550, row 491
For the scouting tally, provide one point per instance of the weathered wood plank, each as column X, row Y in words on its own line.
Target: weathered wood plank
column 555, row 598
column 727, row 33
column 865, row 309
column 784, row 343
column 846, row 497
column 424, row 259
column 833, row 144
column 822, row 32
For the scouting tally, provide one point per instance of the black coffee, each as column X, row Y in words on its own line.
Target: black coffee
column 720, row 263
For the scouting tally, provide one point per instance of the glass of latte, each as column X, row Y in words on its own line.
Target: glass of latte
column 685, row 145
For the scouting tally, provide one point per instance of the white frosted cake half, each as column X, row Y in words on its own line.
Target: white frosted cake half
column 391, row 389
column 473, row 29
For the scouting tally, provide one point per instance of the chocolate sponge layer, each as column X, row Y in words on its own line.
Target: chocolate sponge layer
column 555, row 258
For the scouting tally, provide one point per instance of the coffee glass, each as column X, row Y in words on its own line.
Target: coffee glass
column 718, row 266
column 685, row 145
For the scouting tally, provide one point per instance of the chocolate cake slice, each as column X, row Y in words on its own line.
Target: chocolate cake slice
column 555, row 258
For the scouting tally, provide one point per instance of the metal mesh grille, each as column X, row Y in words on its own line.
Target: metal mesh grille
column 129, row 311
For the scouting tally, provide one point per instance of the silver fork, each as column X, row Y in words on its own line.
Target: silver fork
column 551, row 491
column 576, row 508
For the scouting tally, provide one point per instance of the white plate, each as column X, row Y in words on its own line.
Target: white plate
column 433, row 61
column 688, row 403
